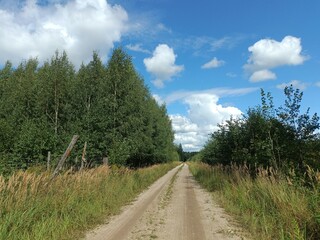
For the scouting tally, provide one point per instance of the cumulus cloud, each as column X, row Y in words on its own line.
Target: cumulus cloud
column 137, row 48
column 162, row 64
column 205, row 110
column 78, row 27
column 204, row 113
column 267, row 54
column 262, row 75
column 187, row 133
column 214, row 63
column 295, row 83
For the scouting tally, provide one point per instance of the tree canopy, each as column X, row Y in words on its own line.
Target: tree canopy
column 109, row 106
column 267, row 136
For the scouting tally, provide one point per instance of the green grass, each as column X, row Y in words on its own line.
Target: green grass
column 32, row 207
column 270, row 207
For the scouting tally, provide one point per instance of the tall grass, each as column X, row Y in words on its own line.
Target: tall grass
column 270, row 206
column 33, row 207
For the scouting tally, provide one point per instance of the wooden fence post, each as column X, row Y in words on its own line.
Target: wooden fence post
column 105, row 161
column 65, row 155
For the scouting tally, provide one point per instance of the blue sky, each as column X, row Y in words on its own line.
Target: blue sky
column 205, row 59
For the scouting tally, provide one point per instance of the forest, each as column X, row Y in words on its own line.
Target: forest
column 107, row 105
column 283, row 138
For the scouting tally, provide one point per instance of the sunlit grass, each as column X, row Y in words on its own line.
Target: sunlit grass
column 33, row 207
column 270, row 206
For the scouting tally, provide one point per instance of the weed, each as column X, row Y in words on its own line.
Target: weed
column 167, row 196
column 33, row 207
column 269, row 206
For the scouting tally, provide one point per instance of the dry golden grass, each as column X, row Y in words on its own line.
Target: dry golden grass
column 32, row 206
column 271, row 206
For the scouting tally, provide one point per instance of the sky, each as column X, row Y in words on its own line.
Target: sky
column 206, row 60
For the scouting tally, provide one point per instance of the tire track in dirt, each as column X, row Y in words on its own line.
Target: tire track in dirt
column 174, row 207
column 118, row 227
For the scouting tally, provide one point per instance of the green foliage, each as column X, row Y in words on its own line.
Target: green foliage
column 181, row 153
column 184, row 156
column 266, row 136
column 109, row 106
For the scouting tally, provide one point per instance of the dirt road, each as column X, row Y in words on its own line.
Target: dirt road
column 174, row 207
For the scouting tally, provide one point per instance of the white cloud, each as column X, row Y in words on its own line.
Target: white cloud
column 162, row 65
column 220, row 92
column 205, row 110
column 220, row 43
column 158, row 99
column 227, row 42
column 137, row 48
column 78, row 27
column 204, row 113
column 268, row 54
column 187, row 133
column 262, row 75
column 203, row 45
column 317, row 84
column 183, row 124
column 295, row 83
column 214, row 63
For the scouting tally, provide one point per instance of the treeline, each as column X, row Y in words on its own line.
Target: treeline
column 282, row 138
column 184, row 156
column 109, row 106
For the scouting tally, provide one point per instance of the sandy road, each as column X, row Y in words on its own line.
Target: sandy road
column 174, row 207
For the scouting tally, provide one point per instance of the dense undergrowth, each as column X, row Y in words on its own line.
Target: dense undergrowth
column 33, row 207
column 270, row 206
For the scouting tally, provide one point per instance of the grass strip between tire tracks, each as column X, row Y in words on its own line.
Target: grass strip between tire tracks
column 168, row 193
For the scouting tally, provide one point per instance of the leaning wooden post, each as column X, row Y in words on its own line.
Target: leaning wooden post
column 48, row 161
column 65, row 155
